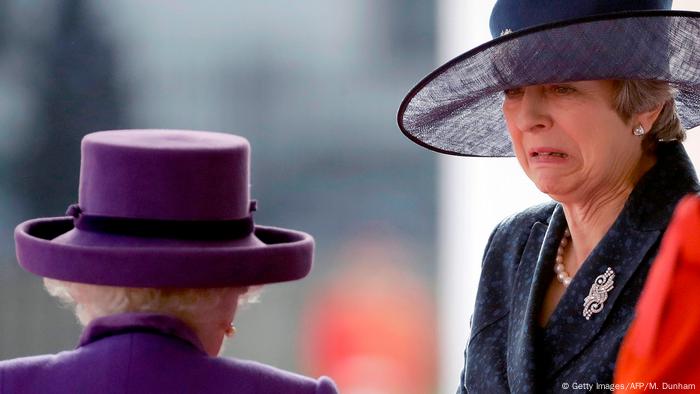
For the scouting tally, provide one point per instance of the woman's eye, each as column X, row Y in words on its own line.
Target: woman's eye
column 511, row 93
column 562, row 89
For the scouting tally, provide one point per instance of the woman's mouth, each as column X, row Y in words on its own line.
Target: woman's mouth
column 548, row 154
column 545, row 155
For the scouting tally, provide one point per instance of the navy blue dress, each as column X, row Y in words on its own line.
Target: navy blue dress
column 507, row 350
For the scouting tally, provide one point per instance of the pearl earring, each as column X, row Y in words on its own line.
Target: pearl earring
column 230, row 330
column 639, row 131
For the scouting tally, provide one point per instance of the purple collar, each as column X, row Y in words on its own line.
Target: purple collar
column 124, row 323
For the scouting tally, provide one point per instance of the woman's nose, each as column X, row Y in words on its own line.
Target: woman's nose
column 533, row 113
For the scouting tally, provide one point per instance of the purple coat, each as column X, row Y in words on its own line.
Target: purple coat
column 146, row 353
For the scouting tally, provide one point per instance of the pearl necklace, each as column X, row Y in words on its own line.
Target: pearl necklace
column 559, row 268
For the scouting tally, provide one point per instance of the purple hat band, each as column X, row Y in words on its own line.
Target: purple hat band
column 179, row 229
column 163, row 208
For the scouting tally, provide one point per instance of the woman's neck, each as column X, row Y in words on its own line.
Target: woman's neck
column 212, row 339
column 591, row 218
column 588, row 222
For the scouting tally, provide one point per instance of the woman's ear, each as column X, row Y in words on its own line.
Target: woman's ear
column 647, row 118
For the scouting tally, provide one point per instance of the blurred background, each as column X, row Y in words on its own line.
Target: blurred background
column 314, row 86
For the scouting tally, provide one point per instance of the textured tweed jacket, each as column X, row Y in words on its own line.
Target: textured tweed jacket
column 146, row 353
column 507, row 349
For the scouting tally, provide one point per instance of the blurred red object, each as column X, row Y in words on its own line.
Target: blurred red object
column 661, row 348
column 372, row 327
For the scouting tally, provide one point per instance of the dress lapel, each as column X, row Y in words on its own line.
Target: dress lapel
column 568, row 332
column 531, row 281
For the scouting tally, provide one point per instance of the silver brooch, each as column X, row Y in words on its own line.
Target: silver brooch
column 506, row 31
column 599, row 293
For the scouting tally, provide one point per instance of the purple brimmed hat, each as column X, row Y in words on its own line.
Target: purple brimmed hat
column 457, row 108
column 163, row 208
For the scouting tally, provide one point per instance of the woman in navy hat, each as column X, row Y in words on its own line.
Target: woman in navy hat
column 155, row 258
column 593, row 98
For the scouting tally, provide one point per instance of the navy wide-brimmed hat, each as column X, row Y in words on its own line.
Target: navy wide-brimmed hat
column 163, row 208
column 457, row 108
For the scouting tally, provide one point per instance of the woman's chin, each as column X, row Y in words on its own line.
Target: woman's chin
column 552, row 187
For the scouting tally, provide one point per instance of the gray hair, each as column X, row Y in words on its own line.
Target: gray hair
column 635, row 96
column 191, row 305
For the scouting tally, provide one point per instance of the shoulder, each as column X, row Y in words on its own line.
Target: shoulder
column 205, row 375
column 506, row 245
column 526, row 218
column 274, row 380
column 16, row 373
column 28, row 364
column 515, row 229
column 504, row 252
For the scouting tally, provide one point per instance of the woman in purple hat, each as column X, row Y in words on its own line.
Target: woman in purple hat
column 593, row 98
column 155, row 257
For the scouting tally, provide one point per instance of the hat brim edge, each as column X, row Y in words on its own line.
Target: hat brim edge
column 505, row 38
column 285, row 256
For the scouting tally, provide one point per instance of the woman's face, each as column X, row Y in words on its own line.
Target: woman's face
column 569, row 140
